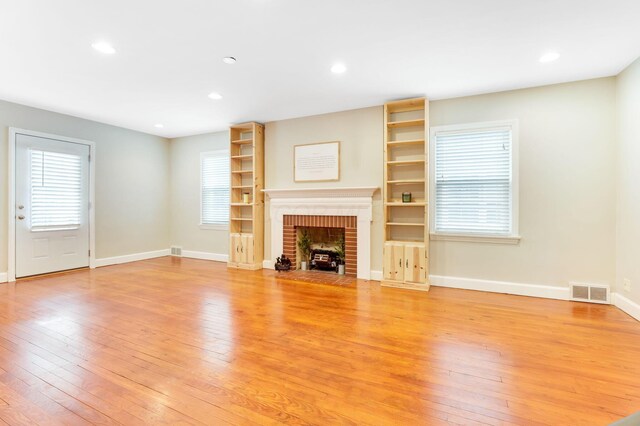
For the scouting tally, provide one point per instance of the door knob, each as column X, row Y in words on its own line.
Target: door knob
column 21, row 217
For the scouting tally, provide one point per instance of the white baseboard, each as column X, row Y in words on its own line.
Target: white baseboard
column 376, row 276
column 4, row 277
column 203, row 255
column 267, row 264
column 131, row 257
column 626, row 305
column 533, row 290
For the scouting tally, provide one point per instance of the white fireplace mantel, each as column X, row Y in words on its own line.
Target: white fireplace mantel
column 362, row 191
column 356, row 201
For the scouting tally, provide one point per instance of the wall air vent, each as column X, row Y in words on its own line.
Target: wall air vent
column 593, row 293
column 176, row 251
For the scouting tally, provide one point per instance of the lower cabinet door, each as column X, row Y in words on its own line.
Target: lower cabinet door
column 415, row 266
column 394, row 261
column 246, row 249
column 234, row 248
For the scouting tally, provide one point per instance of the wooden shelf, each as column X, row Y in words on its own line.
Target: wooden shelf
column 404, row 162
column 401, row 204
column 406, row 143
column 246, row 224
column 406, row 181
column 406, row 105
column 406, row 123
column 405, row 254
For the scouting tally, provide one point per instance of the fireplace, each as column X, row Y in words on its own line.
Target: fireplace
column 348, row 208
column 318, row 225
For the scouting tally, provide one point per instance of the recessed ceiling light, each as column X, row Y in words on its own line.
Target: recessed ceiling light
column 549, row 57
column 159, row 126
column 103, row 47
column 215, row 95
column 338, row 68
column 229, row 60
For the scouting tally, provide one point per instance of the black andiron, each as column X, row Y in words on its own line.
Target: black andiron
column 283, row 263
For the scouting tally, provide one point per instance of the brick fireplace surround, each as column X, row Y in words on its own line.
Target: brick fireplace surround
column 349, row 223
column 348, row 208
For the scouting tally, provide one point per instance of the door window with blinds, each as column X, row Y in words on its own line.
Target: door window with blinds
column 56, row 190
column 474, row 181
column 214, row 182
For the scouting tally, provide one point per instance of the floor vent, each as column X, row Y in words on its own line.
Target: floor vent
column 592, row 293
column 176, row 251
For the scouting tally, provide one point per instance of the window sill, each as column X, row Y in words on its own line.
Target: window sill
column 214, row 227
column 493, row 239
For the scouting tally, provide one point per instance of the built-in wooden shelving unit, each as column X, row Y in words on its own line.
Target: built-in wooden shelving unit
column 406, row 161
column 246, row 220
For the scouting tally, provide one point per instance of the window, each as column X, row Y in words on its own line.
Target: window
column 56, row 190
column 474, row 186
column 214, row 195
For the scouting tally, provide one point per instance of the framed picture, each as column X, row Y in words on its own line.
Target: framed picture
column 316, row 162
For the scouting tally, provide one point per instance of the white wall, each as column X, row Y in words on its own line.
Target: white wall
column 628, row 205
column 567, row 186
column 185, row 194
column 132, row 180
column 567, row 183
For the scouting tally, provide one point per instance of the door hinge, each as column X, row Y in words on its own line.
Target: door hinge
column 89, row 157
column 89, row 252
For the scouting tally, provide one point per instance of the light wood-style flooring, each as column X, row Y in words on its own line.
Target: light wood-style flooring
column 180, row 341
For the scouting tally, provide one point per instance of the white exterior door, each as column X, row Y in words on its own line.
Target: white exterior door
column 52, row 205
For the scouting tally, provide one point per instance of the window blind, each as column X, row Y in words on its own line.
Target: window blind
column 473, row 181
column 215, row 188
column 56, row 190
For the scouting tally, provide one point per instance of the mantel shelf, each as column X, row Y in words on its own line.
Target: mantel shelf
column 365, row 191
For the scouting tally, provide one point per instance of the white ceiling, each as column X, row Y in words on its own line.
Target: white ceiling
column 169, row 54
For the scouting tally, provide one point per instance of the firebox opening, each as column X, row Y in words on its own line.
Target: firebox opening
column 326, row 248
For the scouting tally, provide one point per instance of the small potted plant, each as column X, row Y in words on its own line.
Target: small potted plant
column 304, row 244
column 340, row 252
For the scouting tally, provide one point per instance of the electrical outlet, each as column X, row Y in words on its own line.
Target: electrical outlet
column 626, row 284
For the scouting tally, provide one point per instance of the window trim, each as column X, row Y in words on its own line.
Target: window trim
column 209, row 226
column 512, row 238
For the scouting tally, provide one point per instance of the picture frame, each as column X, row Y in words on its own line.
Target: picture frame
column 316, row 162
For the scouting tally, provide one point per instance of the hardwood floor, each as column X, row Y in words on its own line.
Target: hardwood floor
column 179, row 341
